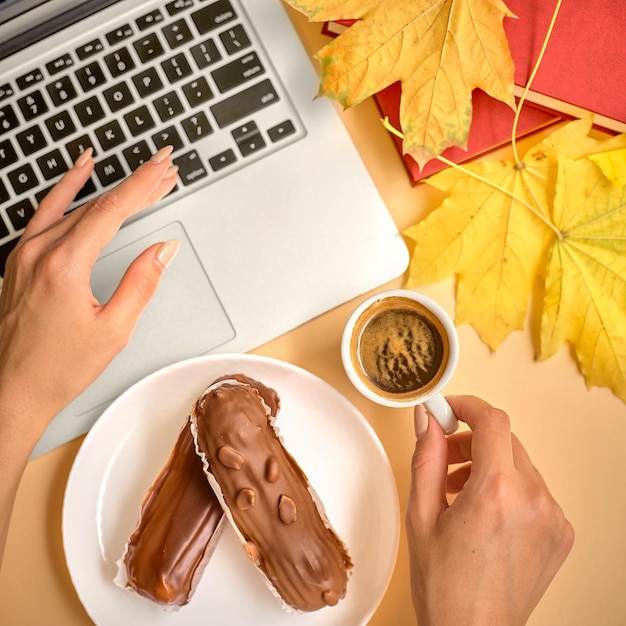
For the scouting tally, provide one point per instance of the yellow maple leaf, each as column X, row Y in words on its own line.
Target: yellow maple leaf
column 440, row 50
column 613, row 165
column 585, row 288
column 554, row 214
column 493, row 239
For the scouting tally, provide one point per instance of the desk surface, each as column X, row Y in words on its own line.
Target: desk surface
column 570, row 432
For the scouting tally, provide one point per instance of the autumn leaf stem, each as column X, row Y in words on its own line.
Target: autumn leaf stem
column 387, row 124
column 520, row 103
column 391, row 128
column 503, row 190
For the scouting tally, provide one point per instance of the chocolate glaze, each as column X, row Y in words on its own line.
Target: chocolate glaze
column 269, row 498
column 180, row 522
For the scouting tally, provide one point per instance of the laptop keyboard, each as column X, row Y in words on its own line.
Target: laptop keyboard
column 189, row 73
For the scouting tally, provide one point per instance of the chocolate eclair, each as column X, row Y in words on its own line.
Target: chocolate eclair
column 179, row 523
column 267, row 498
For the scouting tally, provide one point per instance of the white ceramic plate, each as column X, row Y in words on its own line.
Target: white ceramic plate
column 124, row 451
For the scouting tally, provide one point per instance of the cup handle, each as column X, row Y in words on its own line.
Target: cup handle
column 443, row 413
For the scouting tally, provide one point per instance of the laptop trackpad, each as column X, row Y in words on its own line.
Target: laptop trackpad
column 185, row 318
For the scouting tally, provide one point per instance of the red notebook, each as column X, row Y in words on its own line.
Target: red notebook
column 491, row 127
column 584, row 67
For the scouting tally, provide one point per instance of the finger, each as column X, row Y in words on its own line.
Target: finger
column 165, row 186
column 460, row 447
column 491, row 428
column 429, row 467
column 102, row 218
column 137, row 287
column 58, row 199
column 457, row 478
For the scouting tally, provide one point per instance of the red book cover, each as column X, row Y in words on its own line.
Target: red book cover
column 584, row 66
column 491, row 128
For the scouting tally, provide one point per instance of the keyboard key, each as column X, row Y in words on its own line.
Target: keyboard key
column 137, row 154
column 173, row 8
column 149, row 47
column 8, row 155
column 60, row 125
column 190, row 168
column 4, row 230
column 244, row 103
column 213, row 16
column 222, row 160
column 89, row 49
column 110, row 135
column 5, row 250
column 118, row 97
column 139, row 121
column 90, row 76
column 61, row 91
column 33, row 105
column 168, row 106
column 149, row 19
column 235, row 39
column 197, row 92
column 119, row 34
column 109, row 170
column 23, row 179
column 77, row 146
column 42, row 193
column 20, row 213
column 205, row 54
column 87, row 189
column 197, row 126
column 147, row 82
column 168, row 137
column 89, row 111
column 8, row 119
column 52, row 164
column 6, row 91
column 31, row 140
column 30, row 78
column 237, row 72
column 177, row 33
column 4, row 193
column 119, row 62
column 60, row 64
column 176, row 68
column 248, row 139
column 284, row 129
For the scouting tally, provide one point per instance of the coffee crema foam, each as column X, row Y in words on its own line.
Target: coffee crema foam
column 401, row 348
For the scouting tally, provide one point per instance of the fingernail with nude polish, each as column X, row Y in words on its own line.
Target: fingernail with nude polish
column 84, row 157
column 162, row 154
column 167, row 252
column 420, row 420
column 172, row 170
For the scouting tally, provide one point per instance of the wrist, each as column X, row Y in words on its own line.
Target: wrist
column 445, row 611
column 22, row 423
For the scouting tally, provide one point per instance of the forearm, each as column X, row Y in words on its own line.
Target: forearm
column 18, row 436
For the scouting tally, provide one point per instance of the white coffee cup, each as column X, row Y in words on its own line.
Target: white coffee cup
column 400, row 348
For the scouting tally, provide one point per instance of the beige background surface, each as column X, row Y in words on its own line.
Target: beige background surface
column 574, row 436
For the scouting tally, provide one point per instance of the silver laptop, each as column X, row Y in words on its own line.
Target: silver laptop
column 277, row 216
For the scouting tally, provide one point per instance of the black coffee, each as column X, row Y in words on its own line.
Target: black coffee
column 401, row 347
